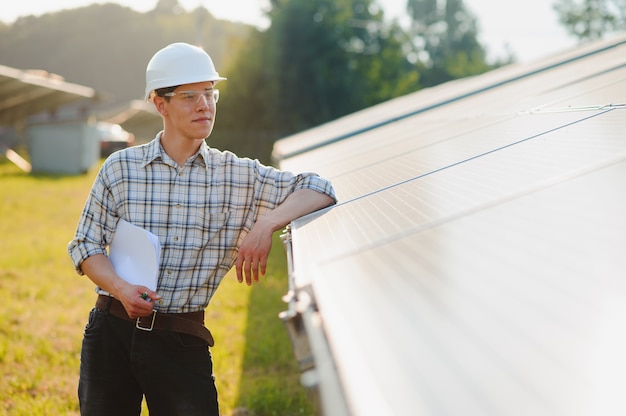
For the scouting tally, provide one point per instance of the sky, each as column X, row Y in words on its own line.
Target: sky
column 529, row 28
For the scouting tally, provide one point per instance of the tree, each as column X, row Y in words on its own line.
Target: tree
column 330, row 50
column 444, row 40
column 167, row 7
column 591, row 19
column 318, row 60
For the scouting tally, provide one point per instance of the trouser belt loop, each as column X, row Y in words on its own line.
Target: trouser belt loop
column 107, row 305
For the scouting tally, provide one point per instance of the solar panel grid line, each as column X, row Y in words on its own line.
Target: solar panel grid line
column 408, row 162
column 369, row 268
column 408, row 135
column 595, row 92
column 583, row 103
column 441, row 342
column 518, row 279
column 386, row 150
column 356, row 350
column 467, row 107
column 434, row 153
column 474, row 300
column 406, row 390
column 442, row 189
column 593, row 71
column 429, row 221
column 561, row 84
column 353, row 239
column 346, row 229
column 494, row 228
column 386, row 213
column 431, row 153
column 440, row 293
column 573, row 254
column 513, row 337
column 544, row 104
column 546, row 245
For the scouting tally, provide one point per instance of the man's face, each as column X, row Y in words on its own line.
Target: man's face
column 191, row 110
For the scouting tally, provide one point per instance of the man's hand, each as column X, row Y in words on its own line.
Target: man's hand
column 253, row 253
column 137, row 300
column 100, row 270
column 256, row 246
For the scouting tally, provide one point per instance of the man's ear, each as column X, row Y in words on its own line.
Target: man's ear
column 160, row 104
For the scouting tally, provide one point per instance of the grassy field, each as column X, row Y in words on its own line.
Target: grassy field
column 44, row 306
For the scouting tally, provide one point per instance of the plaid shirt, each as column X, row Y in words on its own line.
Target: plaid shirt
column 201, row 212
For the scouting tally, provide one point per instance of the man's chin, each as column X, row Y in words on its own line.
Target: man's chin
column 203, row 133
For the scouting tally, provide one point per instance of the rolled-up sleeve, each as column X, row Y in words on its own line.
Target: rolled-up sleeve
column 96, row 225
column 316, row 183
column 274, row 186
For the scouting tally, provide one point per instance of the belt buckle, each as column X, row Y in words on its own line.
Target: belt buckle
column 144, row 328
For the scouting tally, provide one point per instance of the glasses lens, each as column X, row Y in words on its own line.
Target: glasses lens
column 211, row 96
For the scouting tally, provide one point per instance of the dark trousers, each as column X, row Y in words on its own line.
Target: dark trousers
column 120, row 364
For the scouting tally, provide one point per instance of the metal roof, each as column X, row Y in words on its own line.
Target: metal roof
column 474, row 264
column 26, row 93
column 138, row 117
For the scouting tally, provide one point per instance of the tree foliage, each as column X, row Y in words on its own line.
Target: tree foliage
column 319, row 60
column 591, row 19
column 444, row 40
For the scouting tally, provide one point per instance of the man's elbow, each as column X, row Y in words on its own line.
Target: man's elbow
column 329, row 200
column 324, row 201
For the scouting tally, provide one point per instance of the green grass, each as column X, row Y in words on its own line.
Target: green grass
column 45, row 304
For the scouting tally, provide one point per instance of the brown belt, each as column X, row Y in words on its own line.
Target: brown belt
column 191, row 323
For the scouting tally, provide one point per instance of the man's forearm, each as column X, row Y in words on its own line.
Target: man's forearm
column 100, row 271
column 298, row 204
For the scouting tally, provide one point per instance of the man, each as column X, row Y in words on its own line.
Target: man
column 210, row 210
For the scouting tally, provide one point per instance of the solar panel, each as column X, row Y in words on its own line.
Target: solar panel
column 474, row 264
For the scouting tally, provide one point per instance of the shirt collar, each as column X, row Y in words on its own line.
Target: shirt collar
column 154, row 151
column 204, row 153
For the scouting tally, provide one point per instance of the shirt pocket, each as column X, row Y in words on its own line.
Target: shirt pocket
column 206, row 228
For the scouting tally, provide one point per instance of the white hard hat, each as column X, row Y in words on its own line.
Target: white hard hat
column 178, row 64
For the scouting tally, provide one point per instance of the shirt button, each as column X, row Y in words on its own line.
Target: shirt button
column 180, row 173
column 169, row 272
column 175, row 238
